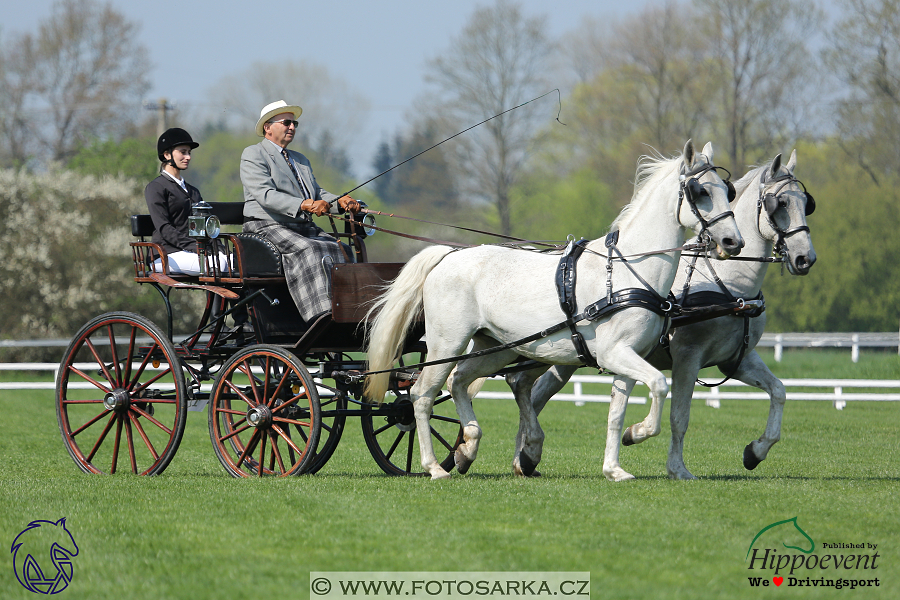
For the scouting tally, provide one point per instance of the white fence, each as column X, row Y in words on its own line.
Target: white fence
column 832, row 390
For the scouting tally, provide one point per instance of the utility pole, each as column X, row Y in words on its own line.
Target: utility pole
column 162, row 107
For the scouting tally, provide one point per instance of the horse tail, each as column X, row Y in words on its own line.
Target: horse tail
column 394, row 313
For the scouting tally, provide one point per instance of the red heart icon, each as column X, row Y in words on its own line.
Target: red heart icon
column 778, row 580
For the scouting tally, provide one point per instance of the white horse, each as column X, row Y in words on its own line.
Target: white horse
column 492, row 295
column 770, row 209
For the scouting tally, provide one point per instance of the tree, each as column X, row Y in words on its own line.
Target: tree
column 78, row 78
column 764, row 68
column 333, row 112
column 865, row 54
column 495, row 64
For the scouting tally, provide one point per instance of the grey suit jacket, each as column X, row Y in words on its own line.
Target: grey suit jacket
column 271, row 191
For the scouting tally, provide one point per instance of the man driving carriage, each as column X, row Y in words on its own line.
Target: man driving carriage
column 280, row 197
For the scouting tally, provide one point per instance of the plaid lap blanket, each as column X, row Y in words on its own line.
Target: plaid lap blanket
column 303, row 248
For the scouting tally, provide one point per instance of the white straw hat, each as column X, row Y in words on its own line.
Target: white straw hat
column 275, row 108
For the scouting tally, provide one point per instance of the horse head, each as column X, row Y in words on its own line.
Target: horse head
column 784, row 201
column 703, row 202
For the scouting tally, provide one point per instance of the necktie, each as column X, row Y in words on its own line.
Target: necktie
column 296, row 174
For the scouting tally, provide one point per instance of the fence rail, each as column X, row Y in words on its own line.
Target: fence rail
column 832, row 390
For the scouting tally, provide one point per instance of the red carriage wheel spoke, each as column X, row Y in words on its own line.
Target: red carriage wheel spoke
column 115, row 456
column 126, row 379
column 129, row 438
column 100, row 362
column 137, row 376
column 233, row 433
column 251, row 446
column 143, row 435
column 115, row 355
column 286, row 436
column 89, row 423
column 240, row 393
column 102, row 437
column 151, row 419
column 90, row 379
column 275, row 451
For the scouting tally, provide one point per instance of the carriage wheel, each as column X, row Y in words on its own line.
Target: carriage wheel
column 332, row 429
column 393, row 441
column 121, row 400
column 264, row 415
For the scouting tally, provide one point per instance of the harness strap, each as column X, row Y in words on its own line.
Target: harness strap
column 565, row 287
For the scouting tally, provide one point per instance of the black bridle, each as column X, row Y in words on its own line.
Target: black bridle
column 774, row 200
column 691, row 189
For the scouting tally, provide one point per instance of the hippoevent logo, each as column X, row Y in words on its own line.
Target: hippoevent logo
column 784, row 554
column 42, row 556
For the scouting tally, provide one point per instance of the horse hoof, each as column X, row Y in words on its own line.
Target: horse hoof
column 527, row 465
column 627, row 439
column 462, row 461
column 750, row 460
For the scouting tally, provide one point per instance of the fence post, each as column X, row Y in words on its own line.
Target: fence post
column 713, row 402
column 839, row 404
column 578, row 393
column 854, row 349
column 778, row 347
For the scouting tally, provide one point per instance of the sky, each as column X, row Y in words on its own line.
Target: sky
column 380, row 48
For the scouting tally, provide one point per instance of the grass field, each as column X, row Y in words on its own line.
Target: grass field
column 194, row 532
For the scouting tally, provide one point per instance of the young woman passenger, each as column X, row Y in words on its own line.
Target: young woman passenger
column 170, row 198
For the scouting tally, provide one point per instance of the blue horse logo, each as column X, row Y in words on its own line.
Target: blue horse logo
column 42, row 556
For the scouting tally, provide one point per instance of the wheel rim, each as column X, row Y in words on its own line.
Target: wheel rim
column 393, row 440
column 121, row 402
column 264, row 414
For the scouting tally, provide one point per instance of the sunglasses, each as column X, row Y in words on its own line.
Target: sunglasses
column 286, row 122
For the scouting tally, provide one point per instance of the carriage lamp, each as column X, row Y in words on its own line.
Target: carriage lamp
column 202, row 223
column 369, row 225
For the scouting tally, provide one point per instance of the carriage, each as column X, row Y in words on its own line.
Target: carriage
column 279, row 391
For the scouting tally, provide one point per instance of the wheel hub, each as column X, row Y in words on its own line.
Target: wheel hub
column 405, row 419
column 259, row 416
column 117, row 400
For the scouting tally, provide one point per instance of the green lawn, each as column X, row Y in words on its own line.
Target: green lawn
column 194, row 532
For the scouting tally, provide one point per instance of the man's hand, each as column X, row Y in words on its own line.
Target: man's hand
column 316, row 207
column 349, row 204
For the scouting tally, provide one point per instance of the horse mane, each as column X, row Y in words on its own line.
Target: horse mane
column 751, row 178
column 650, row 168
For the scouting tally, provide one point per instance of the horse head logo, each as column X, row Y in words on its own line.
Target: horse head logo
column 42, row 556
column 786, row 532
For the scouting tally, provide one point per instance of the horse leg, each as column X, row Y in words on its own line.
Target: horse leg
column 685, row 368
column 469, row 375
column 618, row 402
column 423, row 394
column 753, row 371
column 649, row 427
column 530, row 438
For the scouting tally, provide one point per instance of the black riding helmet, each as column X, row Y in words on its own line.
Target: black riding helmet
column 172, row 137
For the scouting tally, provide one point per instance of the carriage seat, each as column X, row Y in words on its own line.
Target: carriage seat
column 258, row 256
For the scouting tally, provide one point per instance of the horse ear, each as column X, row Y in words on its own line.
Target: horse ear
column 688, row 154
column 792, row 162
column 708, row 152
column 776, row 165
